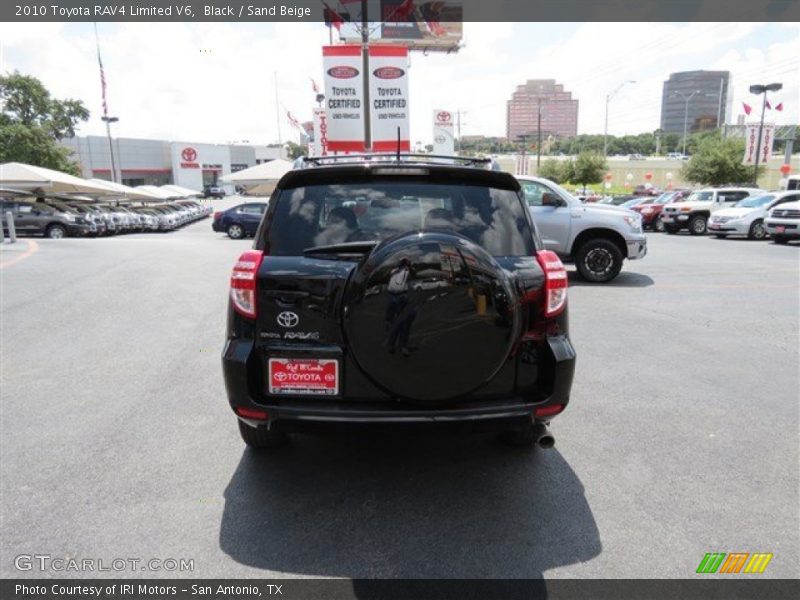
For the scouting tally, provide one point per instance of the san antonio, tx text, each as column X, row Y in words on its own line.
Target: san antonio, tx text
column 125, row 589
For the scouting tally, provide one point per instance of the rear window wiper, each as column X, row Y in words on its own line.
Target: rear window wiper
column 343, row 251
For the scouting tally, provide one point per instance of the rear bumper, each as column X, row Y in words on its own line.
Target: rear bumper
column 314, row 415
column 788, row 228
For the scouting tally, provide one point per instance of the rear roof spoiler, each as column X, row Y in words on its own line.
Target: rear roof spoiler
column 396, row 159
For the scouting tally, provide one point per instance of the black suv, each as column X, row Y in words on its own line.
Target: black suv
column 385, row 292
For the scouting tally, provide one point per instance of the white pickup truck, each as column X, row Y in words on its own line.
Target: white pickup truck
column 597, row 237
column 694, row 212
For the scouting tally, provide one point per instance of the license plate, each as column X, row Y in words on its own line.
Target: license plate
column 303, row 376
column 780, row 229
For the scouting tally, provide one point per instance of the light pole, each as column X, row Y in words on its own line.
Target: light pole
column 686, row 112
column 108, row 121
column 608, row 100
column 762, row 89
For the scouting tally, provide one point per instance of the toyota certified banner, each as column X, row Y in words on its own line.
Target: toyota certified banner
column 344, row 90
column 751, row 143
column 443, row 138
column 320, row 145
column 388, row 90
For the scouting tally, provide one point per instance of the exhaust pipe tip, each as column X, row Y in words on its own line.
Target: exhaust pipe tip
column 546, row 441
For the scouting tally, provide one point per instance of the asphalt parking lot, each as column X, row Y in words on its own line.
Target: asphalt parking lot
column 117, row 441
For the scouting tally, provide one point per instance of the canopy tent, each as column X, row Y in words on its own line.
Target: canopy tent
column 30, row 177
column 184, row 192
column 120, row 190
column 158, row 192
column 266, row 172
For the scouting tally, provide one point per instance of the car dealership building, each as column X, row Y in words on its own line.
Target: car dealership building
column 160, row 162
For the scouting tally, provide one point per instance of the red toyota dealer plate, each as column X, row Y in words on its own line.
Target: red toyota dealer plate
column 304, row 376
column 780, row 228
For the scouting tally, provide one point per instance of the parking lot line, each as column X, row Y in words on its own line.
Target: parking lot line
column 32, row 247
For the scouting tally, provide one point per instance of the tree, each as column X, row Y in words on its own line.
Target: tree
column 295, row 150
column 32, row 122
column 716, row 162
column 553, row 170
column 588, row 167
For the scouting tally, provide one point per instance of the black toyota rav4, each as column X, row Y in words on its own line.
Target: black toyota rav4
column 397, row 292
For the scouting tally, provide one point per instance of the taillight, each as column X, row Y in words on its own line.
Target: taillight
column 555, row 282
column 548, row 411
column 243, row 283
column 249, row 413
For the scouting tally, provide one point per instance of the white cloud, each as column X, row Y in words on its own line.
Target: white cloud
column 215, row 81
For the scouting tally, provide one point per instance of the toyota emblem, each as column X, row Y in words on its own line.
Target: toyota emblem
column 189, row 154
column 288, row 319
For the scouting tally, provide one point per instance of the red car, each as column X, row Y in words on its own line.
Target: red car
column 651, row 208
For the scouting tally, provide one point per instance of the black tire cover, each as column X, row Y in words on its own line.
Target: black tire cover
column 430, row 316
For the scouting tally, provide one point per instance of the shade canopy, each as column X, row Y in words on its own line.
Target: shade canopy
column 125, row 191
column 159, row 192
column 30, row 177
column 263, row 173
column 183, row 191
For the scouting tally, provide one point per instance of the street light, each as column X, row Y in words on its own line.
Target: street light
column 762, row 89
column 608, row 99
column 108, row 121
column 686, row 112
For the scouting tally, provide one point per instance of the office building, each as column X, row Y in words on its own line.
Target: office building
column 558, row 108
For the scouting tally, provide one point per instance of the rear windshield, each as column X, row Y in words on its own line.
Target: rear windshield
column 322, row 215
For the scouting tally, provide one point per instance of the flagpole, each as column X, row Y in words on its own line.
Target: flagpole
column 365, row 61
column 108, row 120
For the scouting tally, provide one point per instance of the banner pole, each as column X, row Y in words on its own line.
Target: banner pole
column 365, row 67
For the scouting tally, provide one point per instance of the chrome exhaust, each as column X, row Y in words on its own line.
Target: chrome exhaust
column 543, row 437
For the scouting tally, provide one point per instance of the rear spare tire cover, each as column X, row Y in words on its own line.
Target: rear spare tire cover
column 430, row 317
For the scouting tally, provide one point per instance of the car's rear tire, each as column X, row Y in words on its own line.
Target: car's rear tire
column 598, row 260
column 757, row 230
column 780, row 239
column 658, row 224
column 56, row 232
column 671, row 229
column 697, row 225
column 260, row 437
column 235, row 231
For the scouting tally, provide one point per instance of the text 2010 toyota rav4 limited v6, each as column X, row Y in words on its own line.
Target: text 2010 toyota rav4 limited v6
column 399, row 293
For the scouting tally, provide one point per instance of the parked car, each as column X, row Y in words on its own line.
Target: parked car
column 617, row 200
column 636, row 157
column 783, row 222
column 328, row 328
column 240, row 221
column 634, row 202
column 747, row 217
column 676, row 156
column 39, row 218
column 793, row 182
column 597, row 237
column 651, row 208
column 214, row 191
column 93, row 216
column 694, row 211
column 646, row 189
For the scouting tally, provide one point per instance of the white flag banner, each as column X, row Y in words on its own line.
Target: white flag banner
column 443, row 135
column 320, row 147
column 344, row 90
column 388, row 89
column 751, row 149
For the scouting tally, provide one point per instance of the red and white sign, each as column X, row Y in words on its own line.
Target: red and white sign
column 189, row 156
column 751, row 143
column 344, row 91
column 388, row 96
column 308, row 376
column 443, row 137
column 320, row 132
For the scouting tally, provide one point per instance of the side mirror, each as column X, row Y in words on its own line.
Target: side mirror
column 550, row 199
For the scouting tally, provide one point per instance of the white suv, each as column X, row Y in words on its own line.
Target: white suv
column 783, row 222
column 747, row 217
column 694, row 212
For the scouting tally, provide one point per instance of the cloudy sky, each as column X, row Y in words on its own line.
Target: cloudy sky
column 215, row 82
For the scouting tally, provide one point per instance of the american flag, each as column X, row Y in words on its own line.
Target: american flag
column 102, row 74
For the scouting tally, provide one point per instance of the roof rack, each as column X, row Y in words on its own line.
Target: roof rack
column 393, row 157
